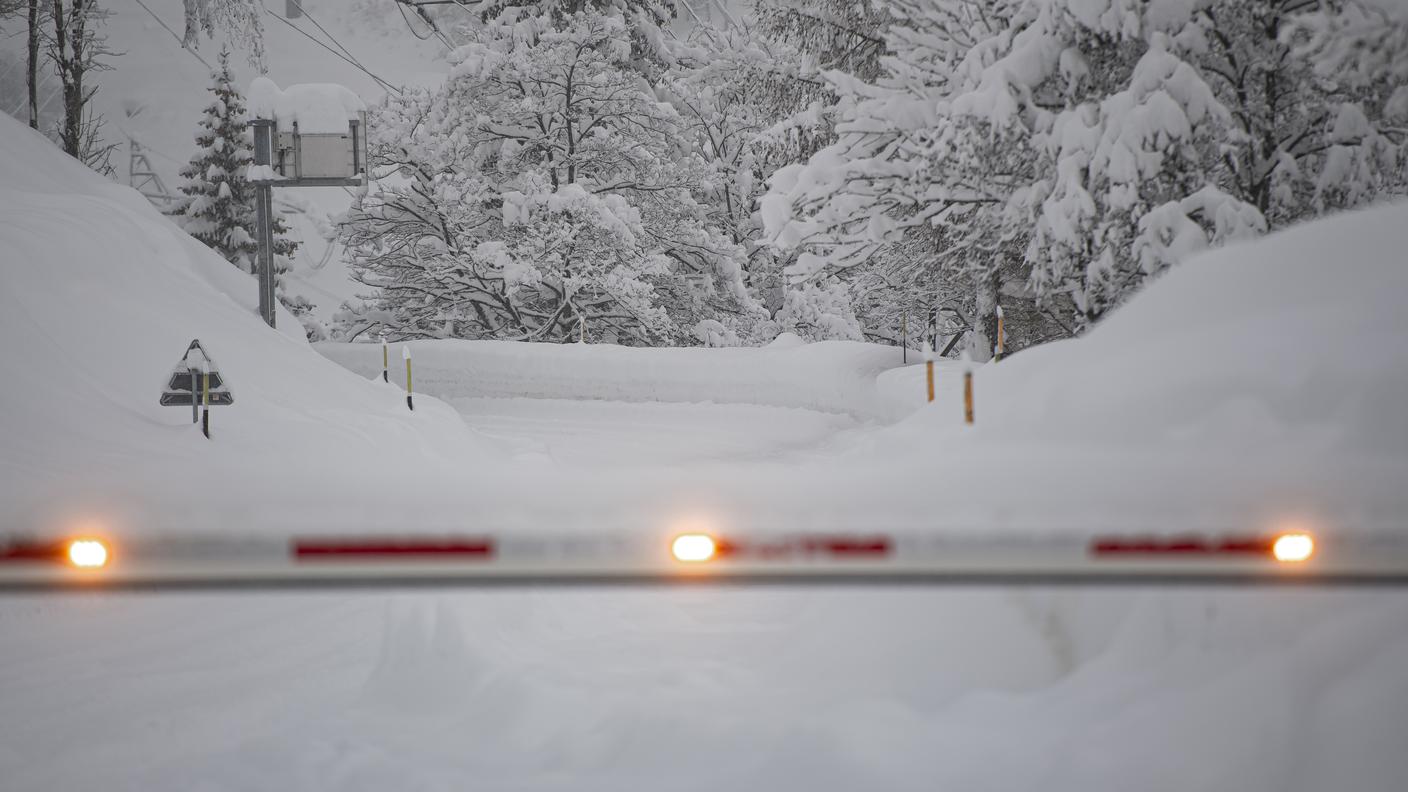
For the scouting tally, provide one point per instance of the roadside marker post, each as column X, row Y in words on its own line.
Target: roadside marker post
column 406, row 353
column 929, row 368
column 1001, row 336
column 194, row 370
column 205, row 398
column 904, row 339
column 967, row 389
column 385, row 360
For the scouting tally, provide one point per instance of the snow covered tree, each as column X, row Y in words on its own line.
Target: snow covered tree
column 1069, row 145
column 837, row 35
column 911, row 202
column 1333, row 127
column 543, row 185
column 77, row 48
column 218, row 208
column 1214, row 131
column 1083, row 147
column 219, row 205
column 241, row 21
column 745, row 110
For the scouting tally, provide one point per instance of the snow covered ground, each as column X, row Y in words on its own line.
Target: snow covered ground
column 1285, row 401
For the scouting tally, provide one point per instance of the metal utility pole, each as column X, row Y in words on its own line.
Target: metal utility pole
column 264, row 218
column 292, row 157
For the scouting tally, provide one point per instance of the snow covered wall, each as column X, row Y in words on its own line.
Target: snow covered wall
column 833, row 376
column 99, row 296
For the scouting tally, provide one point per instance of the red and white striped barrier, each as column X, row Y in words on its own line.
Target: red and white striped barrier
column 196, row 562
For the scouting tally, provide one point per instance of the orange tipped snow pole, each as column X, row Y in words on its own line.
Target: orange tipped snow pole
column 1001, row 336
column 929, row 368
column 967, row 390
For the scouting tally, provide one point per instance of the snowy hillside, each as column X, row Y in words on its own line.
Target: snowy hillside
column 101, row 295
column 156, row 92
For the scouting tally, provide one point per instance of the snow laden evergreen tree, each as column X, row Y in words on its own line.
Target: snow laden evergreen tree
column 545, row 191
column 218, row 207
column 1080, row 147
column 218, row 203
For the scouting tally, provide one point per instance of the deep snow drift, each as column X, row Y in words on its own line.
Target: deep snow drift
column 99, row 296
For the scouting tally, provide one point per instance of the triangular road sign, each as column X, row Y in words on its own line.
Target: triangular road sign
column 182, row 392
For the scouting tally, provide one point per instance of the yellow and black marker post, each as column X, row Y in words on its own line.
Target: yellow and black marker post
column 406, row 353
column 205, row 400
column 904, row 339
column 385, row 360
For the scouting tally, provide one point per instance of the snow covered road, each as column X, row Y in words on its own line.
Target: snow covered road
column 588, row 406
column 587, row 433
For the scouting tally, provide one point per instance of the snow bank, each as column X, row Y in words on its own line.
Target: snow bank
column 314, row 107
column 1255, row 386
column 833, row 376
column 1302, row 333
column 99, row 297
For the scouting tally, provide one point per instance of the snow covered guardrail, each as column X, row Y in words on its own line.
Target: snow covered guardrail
column 693, row 557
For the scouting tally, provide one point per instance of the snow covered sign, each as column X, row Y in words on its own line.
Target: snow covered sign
column 189, row 377
column 311, row 135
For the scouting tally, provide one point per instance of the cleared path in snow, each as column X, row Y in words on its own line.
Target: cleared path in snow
column 607, row 405
column 627, row 433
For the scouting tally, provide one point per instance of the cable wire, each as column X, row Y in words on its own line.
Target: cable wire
column 434, row 28
column 179, row 40
column 333, row 38
column 388, row 86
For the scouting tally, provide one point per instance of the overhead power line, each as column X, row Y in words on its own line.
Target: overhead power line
column 325, row 31
column 349, row 60
column 179, row 39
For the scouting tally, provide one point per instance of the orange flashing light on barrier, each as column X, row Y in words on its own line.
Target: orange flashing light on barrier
column 1293, row 548
column 88, row 553
column 693, row 547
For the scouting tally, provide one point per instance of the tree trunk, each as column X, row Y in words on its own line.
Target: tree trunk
column 72, row 135
column 984, row 337
column 32, row 65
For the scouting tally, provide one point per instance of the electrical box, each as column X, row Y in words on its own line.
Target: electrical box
column 308, row 135
column 312, row 159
